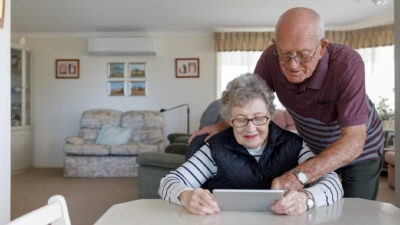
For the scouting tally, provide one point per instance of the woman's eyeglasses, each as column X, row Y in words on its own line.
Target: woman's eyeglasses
column 257, row 121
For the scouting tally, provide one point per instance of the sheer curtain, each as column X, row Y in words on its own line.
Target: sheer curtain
column 379, row 70
column 379, row 73
column 233, row 64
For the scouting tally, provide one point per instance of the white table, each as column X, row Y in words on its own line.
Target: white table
column 159, row 212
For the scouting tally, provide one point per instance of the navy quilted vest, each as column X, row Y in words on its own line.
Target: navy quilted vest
column 237, row 169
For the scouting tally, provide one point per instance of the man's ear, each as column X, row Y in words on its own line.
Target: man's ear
column 324, row 45
column 274, row 41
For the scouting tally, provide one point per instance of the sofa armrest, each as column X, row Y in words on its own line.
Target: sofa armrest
column 74, row 140
column 177, row 148
column 152, row 167
column 178, row 138
column 160, row 159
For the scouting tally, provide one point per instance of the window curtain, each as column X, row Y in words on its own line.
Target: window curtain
column 379, row 74
column 258, row 41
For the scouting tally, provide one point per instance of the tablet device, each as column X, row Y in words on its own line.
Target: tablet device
column 246, row 199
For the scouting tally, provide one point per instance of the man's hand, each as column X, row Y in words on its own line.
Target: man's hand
column 199, row 201
column 287, row 181
column 210, row 130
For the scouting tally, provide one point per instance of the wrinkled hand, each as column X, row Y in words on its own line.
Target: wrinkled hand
column 199, row 201
column 209, row 129
column 287, row 181
column 293, row 203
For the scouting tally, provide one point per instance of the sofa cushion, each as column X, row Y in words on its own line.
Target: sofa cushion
column 89, row 134
column 153, row 136
column 87, row 149
column 114, row 135
column 96, row 118
column 74, row 140
column 142, row 120
column 132, row 149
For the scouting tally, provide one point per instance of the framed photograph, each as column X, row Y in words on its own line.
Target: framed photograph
column 137, row 88
column 187, row 68
column 2, row 10
column 137, row 70
column 116, row 70
column 67, row 68
column 116, row 88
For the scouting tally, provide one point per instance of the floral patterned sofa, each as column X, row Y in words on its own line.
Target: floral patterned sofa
column 109, row 141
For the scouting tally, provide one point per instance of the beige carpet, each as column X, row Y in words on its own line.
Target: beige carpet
column 88, row 199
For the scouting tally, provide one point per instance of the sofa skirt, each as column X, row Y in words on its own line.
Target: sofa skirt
column 100, row 166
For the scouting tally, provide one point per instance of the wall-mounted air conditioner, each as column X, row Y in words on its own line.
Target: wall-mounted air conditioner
column 122, row 46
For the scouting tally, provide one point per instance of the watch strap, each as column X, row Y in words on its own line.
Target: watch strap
column 297, row 174
column 309, row 197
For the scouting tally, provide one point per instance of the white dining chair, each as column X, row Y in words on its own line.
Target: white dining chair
column 54, row 213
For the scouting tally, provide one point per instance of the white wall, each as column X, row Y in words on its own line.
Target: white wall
column 59, row 103
column 5, row 169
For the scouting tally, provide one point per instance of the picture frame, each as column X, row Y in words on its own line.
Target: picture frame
column 187, row 67
column 137, row 88
column 137, row 70
column 116, row 88
column 67, row 68
column 2, row 12
column 116, row 70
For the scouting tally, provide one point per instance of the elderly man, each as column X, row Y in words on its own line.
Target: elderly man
column 322, row 85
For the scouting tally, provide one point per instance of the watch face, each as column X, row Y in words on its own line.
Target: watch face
column 310, row 203
column 302, row 177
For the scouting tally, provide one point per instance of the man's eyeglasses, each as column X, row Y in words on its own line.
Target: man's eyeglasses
column 257, row 121
column 300, row 58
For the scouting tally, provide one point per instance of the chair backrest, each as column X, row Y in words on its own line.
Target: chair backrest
column 54, row 213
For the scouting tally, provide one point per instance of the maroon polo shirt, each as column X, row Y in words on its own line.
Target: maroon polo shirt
column 333, row 97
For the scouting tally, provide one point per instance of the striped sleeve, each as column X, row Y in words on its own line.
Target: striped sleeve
column 326, row 190
column 192, row 174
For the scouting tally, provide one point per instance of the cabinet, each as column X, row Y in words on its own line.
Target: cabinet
column 21, row 129
column 20, row 87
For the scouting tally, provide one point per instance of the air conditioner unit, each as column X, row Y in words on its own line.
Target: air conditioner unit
column 122, row 46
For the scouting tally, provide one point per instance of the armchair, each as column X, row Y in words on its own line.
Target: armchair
column 155, row 165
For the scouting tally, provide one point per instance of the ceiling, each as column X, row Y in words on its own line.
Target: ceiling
column 152, row 16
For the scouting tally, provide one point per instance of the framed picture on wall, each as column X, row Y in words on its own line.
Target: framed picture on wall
column 137, row 88
column 67, row 68
column 187, row 67
column 116, row 88
column 116, row 70
column 137, row 70
column 2, row 10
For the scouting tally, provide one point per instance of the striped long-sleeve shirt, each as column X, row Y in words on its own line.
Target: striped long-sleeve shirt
column 201, row 166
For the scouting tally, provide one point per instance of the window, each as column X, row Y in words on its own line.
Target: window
column 233, row 64
column 379, row 74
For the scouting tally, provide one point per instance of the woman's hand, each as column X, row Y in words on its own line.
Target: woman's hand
column 199, row 201
column 293, row 203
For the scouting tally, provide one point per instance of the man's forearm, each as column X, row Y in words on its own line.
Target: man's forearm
column 344, row 150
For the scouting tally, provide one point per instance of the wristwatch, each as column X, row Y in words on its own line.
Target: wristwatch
column 310, row 199
column 302, row 177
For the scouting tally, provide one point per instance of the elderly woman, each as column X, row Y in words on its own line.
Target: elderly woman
column 248, row 155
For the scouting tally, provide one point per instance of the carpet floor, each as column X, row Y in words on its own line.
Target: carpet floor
column 89, row 198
